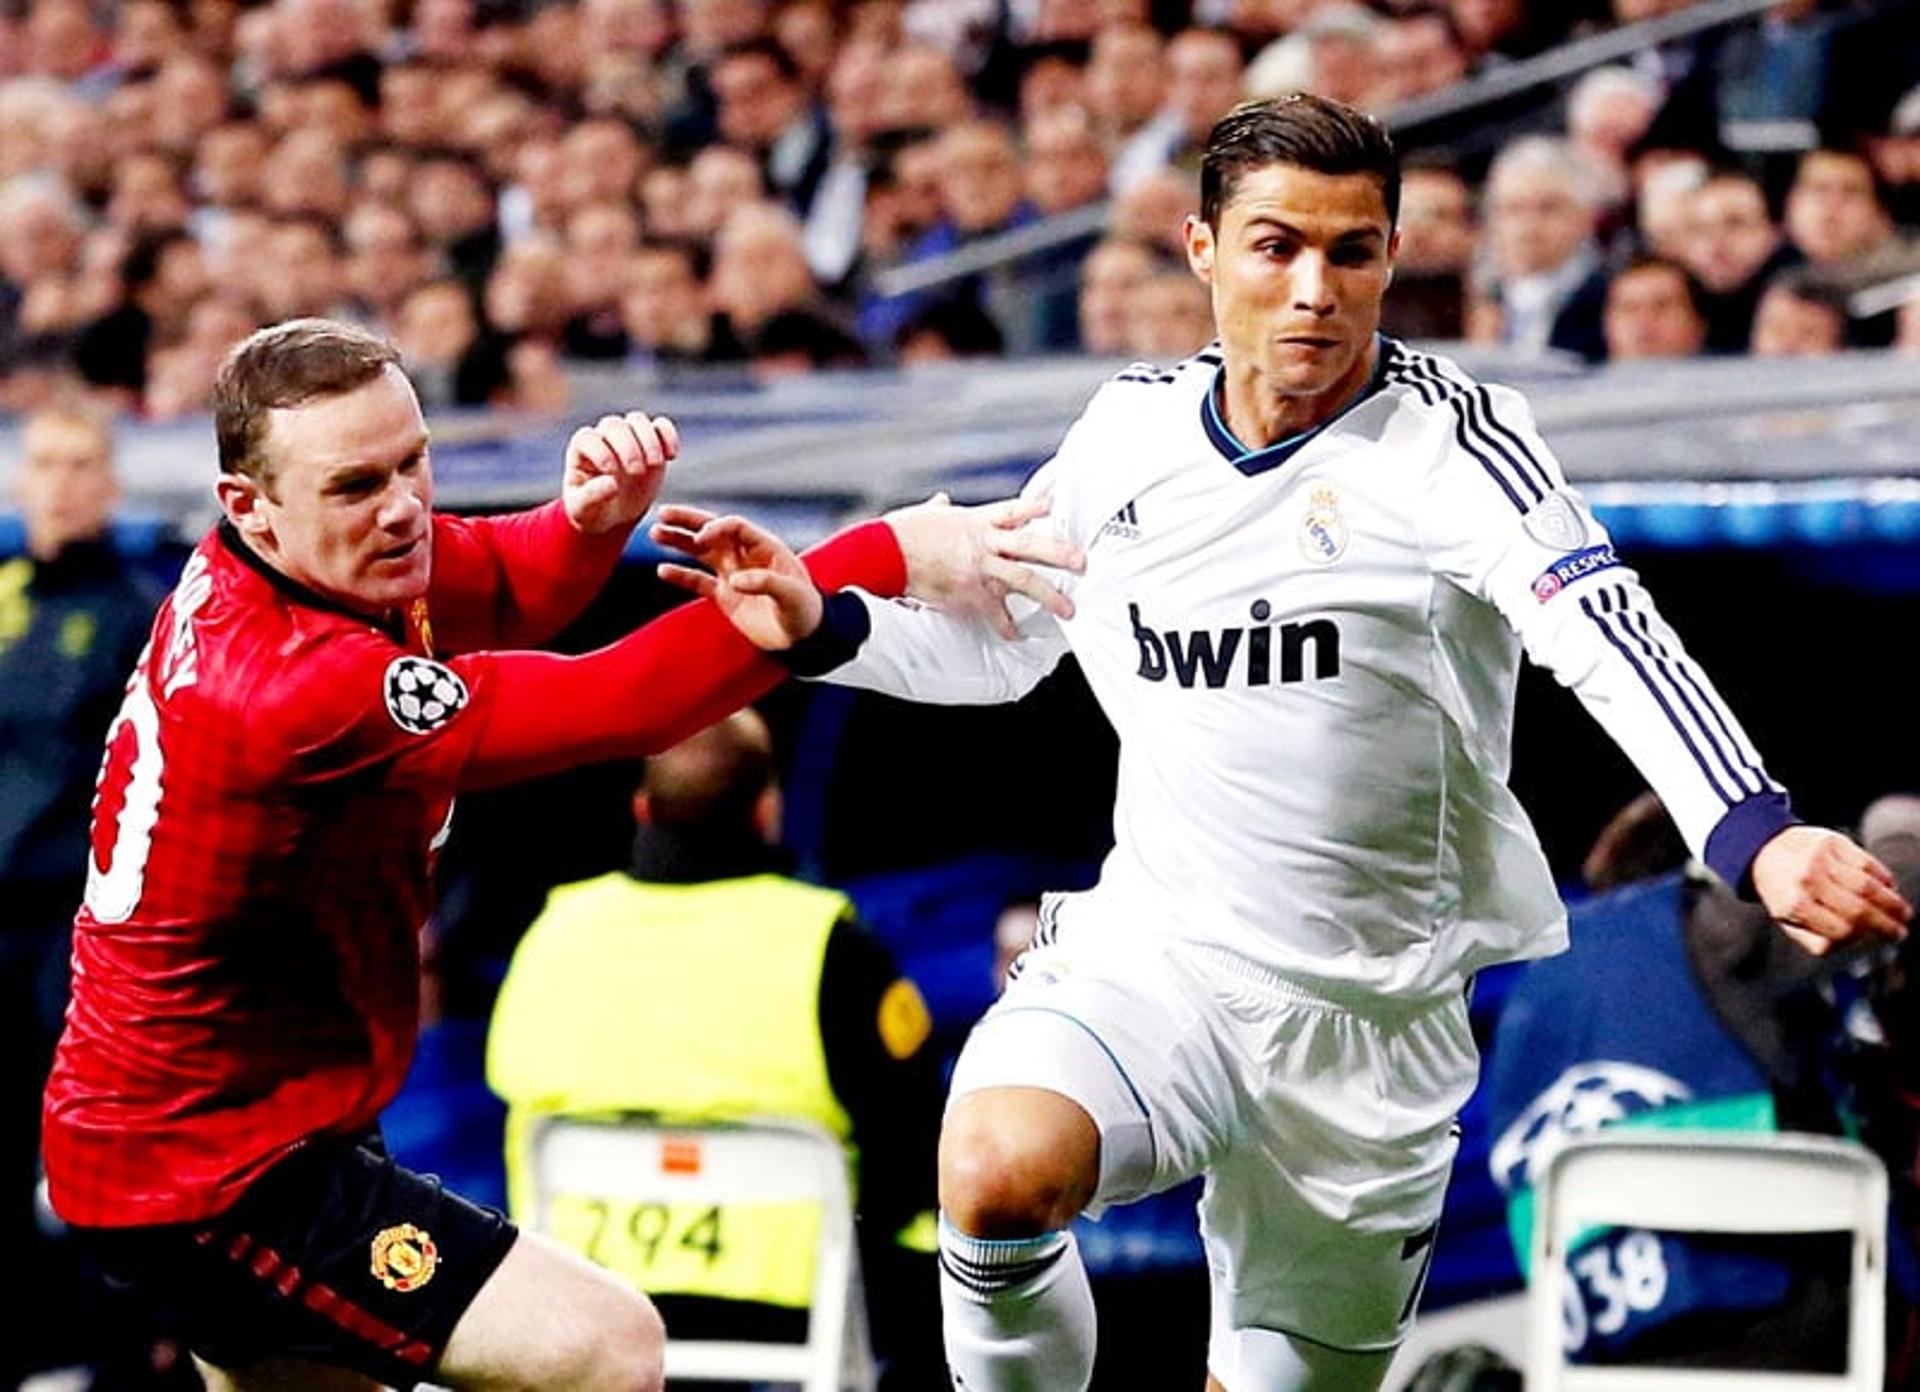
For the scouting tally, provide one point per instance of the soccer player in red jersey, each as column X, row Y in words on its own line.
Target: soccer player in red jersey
column 334, row 666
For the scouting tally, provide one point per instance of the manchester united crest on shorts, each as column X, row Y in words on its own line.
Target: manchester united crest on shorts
column 422, row 694
column 1323, row 532
column 404, row 1257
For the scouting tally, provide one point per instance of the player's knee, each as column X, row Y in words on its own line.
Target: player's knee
column 1001, row 1180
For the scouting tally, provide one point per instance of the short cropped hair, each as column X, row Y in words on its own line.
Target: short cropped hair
column 287, row 365
column 1300, row 129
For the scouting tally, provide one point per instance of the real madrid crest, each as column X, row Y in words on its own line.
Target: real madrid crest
column 1323, row 533
column 404, row 1257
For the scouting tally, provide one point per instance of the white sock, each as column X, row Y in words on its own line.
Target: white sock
column 1018, row 1315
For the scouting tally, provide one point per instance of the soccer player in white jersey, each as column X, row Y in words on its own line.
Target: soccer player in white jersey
column 1314, row 557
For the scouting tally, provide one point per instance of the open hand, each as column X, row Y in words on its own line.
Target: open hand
column 615, row 468
column 755, row 578
column 968, row 560
column 1823, row 890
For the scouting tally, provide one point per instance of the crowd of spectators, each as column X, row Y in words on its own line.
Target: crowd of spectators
column 512, row 188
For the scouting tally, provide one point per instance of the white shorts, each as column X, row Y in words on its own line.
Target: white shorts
column 1326, row 1131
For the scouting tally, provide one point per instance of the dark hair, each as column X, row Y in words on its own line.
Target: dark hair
column 769, row 49
column 1653, row 261
column 1807, row 284
column 286, row 365
column 1304, row 130
column 710, row 781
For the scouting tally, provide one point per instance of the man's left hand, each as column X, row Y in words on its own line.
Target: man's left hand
column 615, row 468
column 1824, row 890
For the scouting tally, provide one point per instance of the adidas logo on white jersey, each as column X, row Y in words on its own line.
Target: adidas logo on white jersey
column 1124, row 524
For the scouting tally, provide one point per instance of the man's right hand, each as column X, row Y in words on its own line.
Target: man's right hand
column 756, row 580
column 968, row 560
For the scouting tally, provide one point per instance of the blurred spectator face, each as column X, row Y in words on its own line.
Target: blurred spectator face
column 1664, row 210
column 450, row 201
column 40, row 234
column 805, row 30
column 305, row 275
column 1066, row 167
column 386, row 175
column 146, row 194
column 1126, row 77
column 1633, row 11
column 1483, row 25
column 443, row 29
column 1113, row 275
column 189, row 100
column 1412, row 57
column 61, row 40
column 212, row 24
column 335, row 109
column 1536, row 219
column 1649, row 314
column 1437, row 234
column 536, row 378
column 720, row 181
column 708, row 26
column 643, row 27
column 436, row 324
column 65, row 482
column 1345, row 66
column 179, row 282
column 665, row 193
column 980, row 185
column 1155, row 210
column 601, row 239
column 757, row 100
column 917, row 183
column 180, row 378
column 621, row 84
column 1172, row 316
column 1203, row 79
column 1786, row 326
column 314, row 33
column 1833, row 211
column 410, row 104
column 604, row 160
column 856, row 92
column 384, row 256
column 527, row 293
column 1049, row 86
column 1729, row 234
column 147, row 36
column 923, row 90
column 1609, row 110
column 665, row 305
column 759, row 267
column 307, row 174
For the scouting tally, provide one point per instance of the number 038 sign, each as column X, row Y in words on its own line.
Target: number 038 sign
column 739, row 1251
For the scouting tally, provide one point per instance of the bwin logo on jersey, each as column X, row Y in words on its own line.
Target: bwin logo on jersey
column 1124, row 524
column 1207, row 655
column 1579, row 1102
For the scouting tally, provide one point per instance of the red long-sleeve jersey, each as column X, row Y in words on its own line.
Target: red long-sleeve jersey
column 246, row 962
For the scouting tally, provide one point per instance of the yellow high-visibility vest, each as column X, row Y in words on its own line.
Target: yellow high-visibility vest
column 699, row 1002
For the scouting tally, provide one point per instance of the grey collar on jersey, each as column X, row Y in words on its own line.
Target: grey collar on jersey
column 1257, row 461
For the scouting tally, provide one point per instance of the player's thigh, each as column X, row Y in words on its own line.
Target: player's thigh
column 1123, row 1033
column 548, row 1317
column 1321, row 1218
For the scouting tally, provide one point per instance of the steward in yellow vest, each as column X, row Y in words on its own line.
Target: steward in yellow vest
column 701, row 985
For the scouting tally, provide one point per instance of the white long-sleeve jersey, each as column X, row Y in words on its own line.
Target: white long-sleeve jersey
column 1309, row 653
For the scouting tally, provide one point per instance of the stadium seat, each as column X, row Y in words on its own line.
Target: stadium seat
column 1709, row 1182
column 628, row 1162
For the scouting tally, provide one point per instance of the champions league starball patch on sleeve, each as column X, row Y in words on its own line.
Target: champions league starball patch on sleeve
column 421, row 694
column 1577, row 565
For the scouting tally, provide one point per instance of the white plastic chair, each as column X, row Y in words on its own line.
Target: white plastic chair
column 1710, row 1182
column 641, row 1160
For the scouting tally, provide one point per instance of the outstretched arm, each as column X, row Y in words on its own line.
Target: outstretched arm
column 517, row 579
